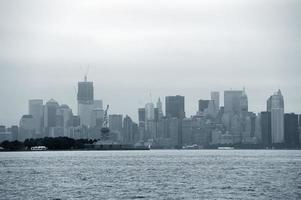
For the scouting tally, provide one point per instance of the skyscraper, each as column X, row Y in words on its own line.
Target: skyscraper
column 159, row 107
column 64, row 118
column 85, row 99
column 50, row 115
column 266, row 132
column 232, row 101
column 36, row 110
column 115, row 125
column 276, row 106
column 203, row 105
column 215, row 99
column 130, row 131
column 175, row 112
column 27, row 127
column 149, row 111
column 175, row 106
column 291, row 134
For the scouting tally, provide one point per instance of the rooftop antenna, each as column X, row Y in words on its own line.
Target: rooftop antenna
column 86, row 73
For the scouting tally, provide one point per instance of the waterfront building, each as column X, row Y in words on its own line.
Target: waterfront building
column 27, row 127
column 115, row 125
column 64, row 119
column 36, row 109
column 50, row 115
column 149, row 112
column 291, row 134
column 275, row 105
column 215, row 99
column 159, row 109
column 85, row 100
column 175, row 106
column 266, row 132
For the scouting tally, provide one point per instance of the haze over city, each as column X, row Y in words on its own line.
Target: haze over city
column 135, row 48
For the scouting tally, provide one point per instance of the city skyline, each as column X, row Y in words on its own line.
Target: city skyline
column 153, row 99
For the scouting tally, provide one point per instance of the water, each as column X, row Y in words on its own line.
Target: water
column 155, row 174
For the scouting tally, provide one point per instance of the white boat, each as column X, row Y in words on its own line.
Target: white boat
column 38, row 148
column 225, row 148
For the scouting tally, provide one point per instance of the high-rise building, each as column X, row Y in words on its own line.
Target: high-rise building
column 160, row 110
column 244, row 102
column 203, row 105
column 64, row 118
column 141, row 114
column 85, row 99
column 130, row 130
column 27, row 127
column 50, row 115
column 215, row 99
column 232, row 101
column 36, row 110
column 115, row 125
column 175, row 106
column 266, row 132
column 291, row 134
column 276, row 107
column 149, row 111
column 141, row 123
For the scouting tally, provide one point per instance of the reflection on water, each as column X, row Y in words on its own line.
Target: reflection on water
column 155, row 174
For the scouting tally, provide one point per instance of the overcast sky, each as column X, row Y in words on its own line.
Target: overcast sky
column 134, row 47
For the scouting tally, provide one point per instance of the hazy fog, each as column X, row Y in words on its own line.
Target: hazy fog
column 170, row 47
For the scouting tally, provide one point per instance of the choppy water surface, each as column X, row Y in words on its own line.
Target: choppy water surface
column 155, row 174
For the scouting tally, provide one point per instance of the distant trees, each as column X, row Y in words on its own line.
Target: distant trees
column 58, row 143
column 12, row 146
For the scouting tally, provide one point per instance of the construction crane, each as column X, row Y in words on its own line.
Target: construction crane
column 105, row 129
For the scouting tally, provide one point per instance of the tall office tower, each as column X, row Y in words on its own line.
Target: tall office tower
column 97, row 114
column 130, row 131
column 291, row 134
column 175, row 106
column 85, row 100
column 27, row 127
column 141, row 123
column 64, row 118
column 276, row 106
column 207, row 108
column 232, row 101
column 50, row 115
column 149, row 111
column 203, row 105
column 215, row 99
column 36, row 110
column 115, row 125
column 159, row 107
column 266, row 132
column 257, row 133
column 244, row 102
column 141, row 114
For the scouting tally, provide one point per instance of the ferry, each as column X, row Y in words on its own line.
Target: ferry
column 38, row 148
column 225, row 148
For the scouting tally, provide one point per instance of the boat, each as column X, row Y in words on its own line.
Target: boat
column 225, row 148
column 194, row 146
column 39, row 148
